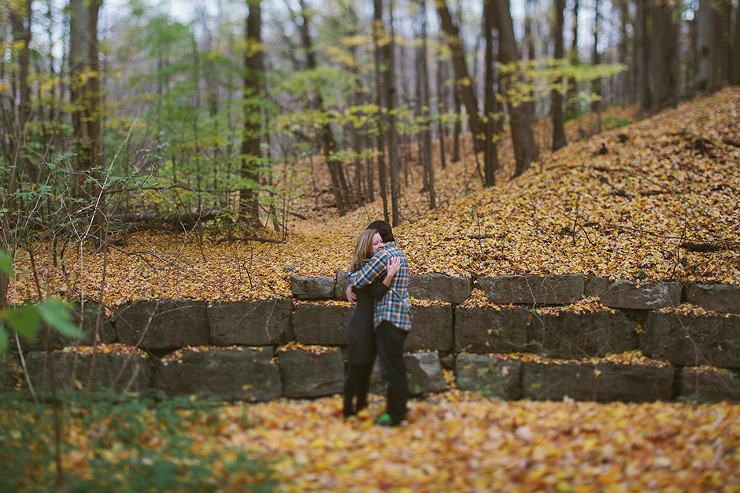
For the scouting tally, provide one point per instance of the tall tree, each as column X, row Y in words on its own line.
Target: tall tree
column 642, row 47
column 251, row 154
column 490, row 154
column 21, row 25
column 379, row 41
column 390, row 100
column 571, row 99
column 328, row 143
column 525, row 147
column 556, row 109
column 735, row 60
column 426, row 108
column 663, row 52
column 464, row 84
column 85, row 85
column 596, row 60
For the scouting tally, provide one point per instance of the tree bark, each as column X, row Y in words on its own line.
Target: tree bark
column 596, row 60
column 556, row 109
column 572, row 92
column 643, row 56
column 380, row 67
column 85, row 99
column 441, row 110
column 328, row 144
column 735, row 59
column 705, row 54
column 251, row 153
column 464, row 84
column 426, row 109
column 663, row 58
column 390, row 99
column 490, row 155
column 525, row 147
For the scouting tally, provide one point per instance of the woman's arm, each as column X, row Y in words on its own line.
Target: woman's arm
column 378, row 288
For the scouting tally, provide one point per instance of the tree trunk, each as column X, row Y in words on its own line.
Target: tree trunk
column 556, row 110
column 457, row 127
column 328, row 144
column 85, row 99
column 529, row 43
column 426, row 108
column 643, row 56
column 490, row 155
column 380, row 67
column 464, row 84
column 735, row 59
column 525, row 147
column 251, row 153
column 571, row 99
column 390, row 88
column 596, row 60
column 705, row 20
column 663, row 58
column 441, row 110
column 624, row 95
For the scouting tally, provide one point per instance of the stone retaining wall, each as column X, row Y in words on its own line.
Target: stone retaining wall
column 293, row 347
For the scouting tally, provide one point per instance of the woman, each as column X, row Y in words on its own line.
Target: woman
column 360, row 331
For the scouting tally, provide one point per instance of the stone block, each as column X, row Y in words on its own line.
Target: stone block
column 164, row 324
column 233, row 374
column 570, row 335
column 312, row 288
column 431, row 329
column 712, row 340
column 533, row 290
column 10, row 371
column 340, row 287
column 85, row 317
column 116, row 371
column 637, row 295
column 434, row 286
column 311, row 372
column 323, row 325
column 600, row 382
column 490, row 330
column 716, row 297
column 709, row 386
column 489, row 376
column 424, row 373
column 250, row 323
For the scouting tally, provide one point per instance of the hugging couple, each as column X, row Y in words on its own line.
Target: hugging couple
column 378, row 282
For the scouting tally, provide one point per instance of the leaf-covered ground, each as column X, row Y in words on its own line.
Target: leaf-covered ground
column 452, row 442
column 662, row 202
column 663, row 182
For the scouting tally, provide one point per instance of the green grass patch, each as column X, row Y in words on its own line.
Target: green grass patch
column 173, row 445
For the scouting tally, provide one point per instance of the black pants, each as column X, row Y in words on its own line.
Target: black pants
column 390, row 341
column 356, row 386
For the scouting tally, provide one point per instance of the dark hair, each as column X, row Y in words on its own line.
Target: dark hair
column 385, row 230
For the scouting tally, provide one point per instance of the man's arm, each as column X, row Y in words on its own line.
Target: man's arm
column 369, row 272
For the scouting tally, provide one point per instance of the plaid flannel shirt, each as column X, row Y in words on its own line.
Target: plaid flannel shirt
column 395, row 306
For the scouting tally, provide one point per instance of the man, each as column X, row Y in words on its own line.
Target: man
column 392, row 322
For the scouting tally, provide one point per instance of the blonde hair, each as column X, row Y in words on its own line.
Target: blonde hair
column 363, row 249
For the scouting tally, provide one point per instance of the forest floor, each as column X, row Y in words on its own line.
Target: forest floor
column 656, row 199
column 662, row 202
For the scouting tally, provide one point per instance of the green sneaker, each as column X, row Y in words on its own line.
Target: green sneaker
column 385, row 420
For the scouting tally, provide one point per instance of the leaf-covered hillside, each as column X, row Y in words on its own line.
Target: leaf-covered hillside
column 658, row 199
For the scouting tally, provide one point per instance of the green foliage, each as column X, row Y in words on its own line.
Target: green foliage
column 528, row 80
column 140, row 445
column 26, row 319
